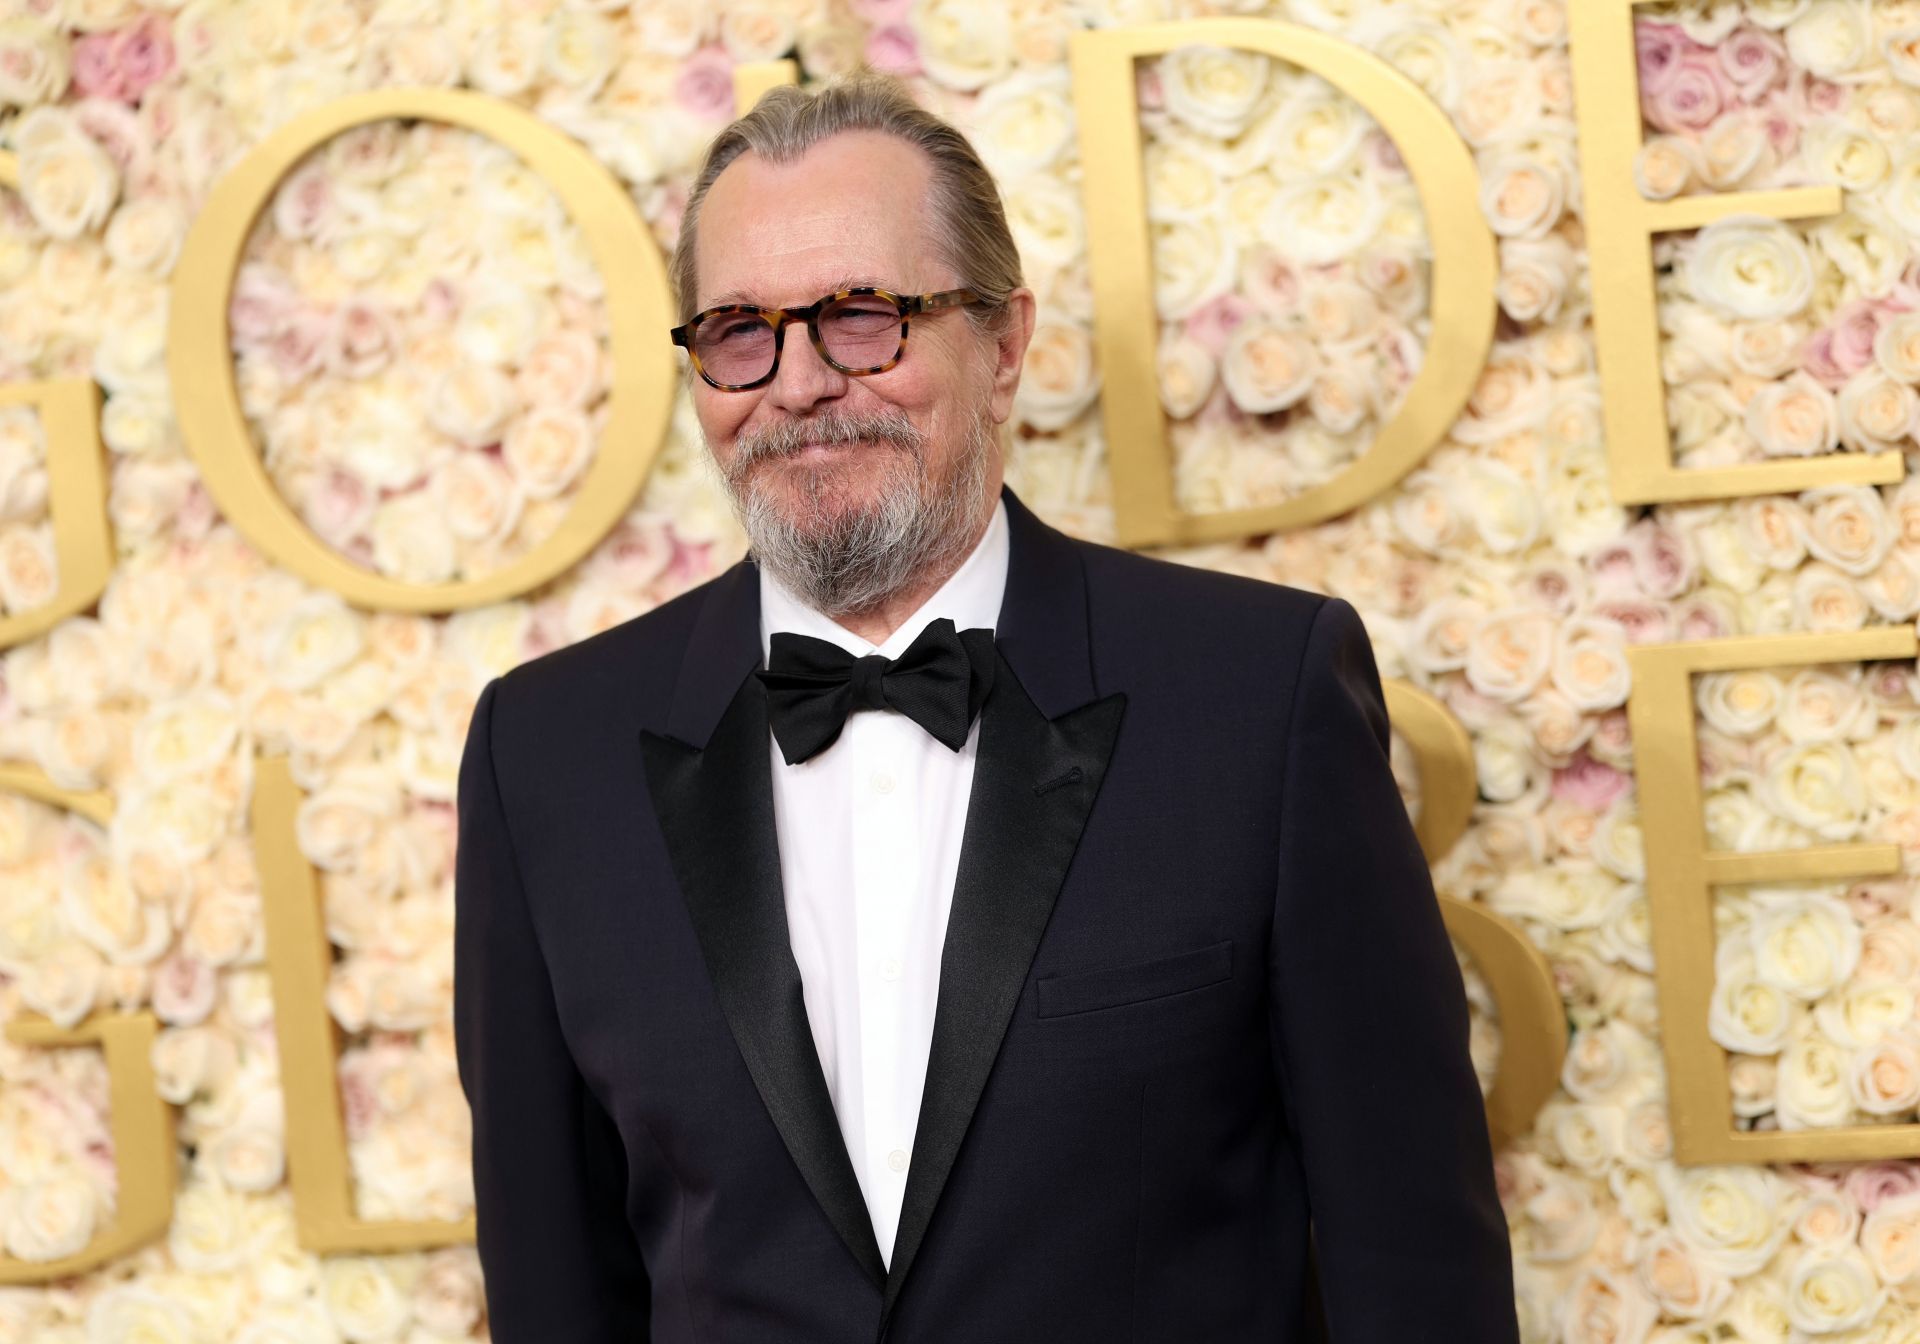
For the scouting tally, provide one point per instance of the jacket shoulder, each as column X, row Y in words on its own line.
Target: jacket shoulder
column 1153, row 597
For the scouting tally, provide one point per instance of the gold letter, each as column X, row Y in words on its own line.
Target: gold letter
column 1620, row 225
column 756, row 77
column 140, row 1122
column 200, row 365
column 298, row 956
column 76, row 501
column 1681, row 875
column 1533, row 1024
column 1120, row 254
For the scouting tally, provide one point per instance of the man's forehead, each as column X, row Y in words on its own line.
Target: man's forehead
column 849, row 211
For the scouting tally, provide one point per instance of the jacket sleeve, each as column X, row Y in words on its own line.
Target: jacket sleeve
column 1369, row 1031
column 549, row 1169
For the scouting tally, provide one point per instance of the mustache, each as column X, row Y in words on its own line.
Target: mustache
column 783, row 438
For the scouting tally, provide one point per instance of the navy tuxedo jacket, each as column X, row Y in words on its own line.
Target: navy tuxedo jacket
column 1195, row 998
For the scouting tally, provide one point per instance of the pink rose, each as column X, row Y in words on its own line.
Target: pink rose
column 1658, row 48
column 263, row 299
column 1823, row 96
column 1831, row 356
column 1691, row 100
column 1697, row 618
column 299, row 349
column 704, row 85
column 894, row 49
column 634, row 554
column 1779, row 122
column 1149, row 92
column 1587, row 783
column 1663, row 563
column 143, row 51
column 96, row 72
column 692, row 563
column 1872, row 1185
column 339, row 508
column 1752, row 59
column 1214, row 321
column 1640, row 620
column 1613, row 568
column 360, row 339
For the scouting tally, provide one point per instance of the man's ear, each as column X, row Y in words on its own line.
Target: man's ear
column 1010, row 350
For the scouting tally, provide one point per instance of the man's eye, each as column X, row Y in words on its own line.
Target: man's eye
column 863, row 318
column 734, row 329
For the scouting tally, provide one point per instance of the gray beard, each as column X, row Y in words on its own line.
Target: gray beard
column 844, row 562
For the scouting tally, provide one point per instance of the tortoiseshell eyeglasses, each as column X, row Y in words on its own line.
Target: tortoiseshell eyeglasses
column 858, row 331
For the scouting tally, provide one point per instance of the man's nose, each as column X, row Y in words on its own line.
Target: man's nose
column 803, row 378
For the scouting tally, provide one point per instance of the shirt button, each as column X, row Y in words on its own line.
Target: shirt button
column 897, row 1159
column 892, row 969
column 882, row 782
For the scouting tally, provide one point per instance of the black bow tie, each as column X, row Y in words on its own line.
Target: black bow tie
column 939, row 682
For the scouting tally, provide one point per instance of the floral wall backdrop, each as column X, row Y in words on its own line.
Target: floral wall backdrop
column 420, row 344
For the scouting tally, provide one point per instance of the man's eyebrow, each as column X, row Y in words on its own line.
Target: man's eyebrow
column 746, row 295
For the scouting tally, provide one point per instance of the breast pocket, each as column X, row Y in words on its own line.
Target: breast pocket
column 1135, row 982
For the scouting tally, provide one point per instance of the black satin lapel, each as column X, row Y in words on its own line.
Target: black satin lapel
column 1034, row 782
column 715, row 808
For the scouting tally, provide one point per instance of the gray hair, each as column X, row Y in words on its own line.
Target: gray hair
column 970, row 225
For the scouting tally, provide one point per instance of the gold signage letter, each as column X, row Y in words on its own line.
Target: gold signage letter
column 76, row 501
column 1120, row 254
column 199, row 361
column 1620, row 226
column 756, row 77
column 1533, row 1024
column 141, row 1123
column 1682, row 873
column 298, row 956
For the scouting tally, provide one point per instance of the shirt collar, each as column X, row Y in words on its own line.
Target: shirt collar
column 970, row 597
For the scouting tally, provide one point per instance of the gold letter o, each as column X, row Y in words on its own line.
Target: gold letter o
column 200, row 366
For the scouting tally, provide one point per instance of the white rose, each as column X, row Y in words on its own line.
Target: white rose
column 145, row 235
column 247, row 1157
column 1821, row 707
column 1423, row 50
column 1024, row 123
column 363, row 1298
column 1769, row 348
column 1831, row 38
column 1323, row 219
column 1214, row 90
column 547, row 448
column 29, row 573
column 1825, row 599
column 1864, row 1012
column 1726, row 1214
column 1747, row 266
column 1795, row 417
column 1510, row 654
column 470, row 402
column 1535, row 274
column 1890, row 1239
column 1865, row 244
column 1746, row 1014
column 67, row 180
column 49, row 1218
column 963, row 45
column 1896, row 346
column 581, row 50
column 505, row 57
column 35, row 60
column 1740, row 704
column 317, row 636
column 478, row 497
column 134, row 1314
column 1876, row 413
column 1675, row 1278
column 1522, row 198
column 1664, row 166
column 1193, row 262
column 211, row 1231
column 1832, row 1290
column 1044, row 216
column 412, row 541
column 1268, row 368
column 498, row 323
column 1885, row 1076
column 1590, row 664
column 1187, row 374
column 1603, row 1307
column 1805, row 947
column 1836, row 151
column 1059, row 379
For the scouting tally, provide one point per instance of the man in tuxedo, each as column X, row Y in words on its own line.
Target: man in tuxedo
column 937, row 929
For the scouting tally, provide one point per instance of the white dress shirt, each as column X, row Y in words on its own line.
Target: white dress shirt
column 869, row 834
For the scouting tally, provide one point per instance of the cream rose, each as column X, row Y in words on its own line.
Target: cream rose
column 1745, row 1014
column 1876, row 413
column 1268, row 368
column 1059, row 380
column 1833, row 1290
column 963, row 45
column 67, row 180
column 1831, row 38
column 1214, row 90
column 1740, row 704
column 1590, row 664
column 1890, row 1239
column 1884, row 1078
column 1323, row 219
column 1747, row 266
column 363, row 1298
column 1795, row 417
column 1727, row 1215
column 547, row 449
column 1811, row 1089
column 1510, row 654
column 1665, row 166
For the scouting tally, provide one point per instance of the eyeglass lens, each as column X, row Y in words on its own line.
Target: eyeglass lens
column 859, row 332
